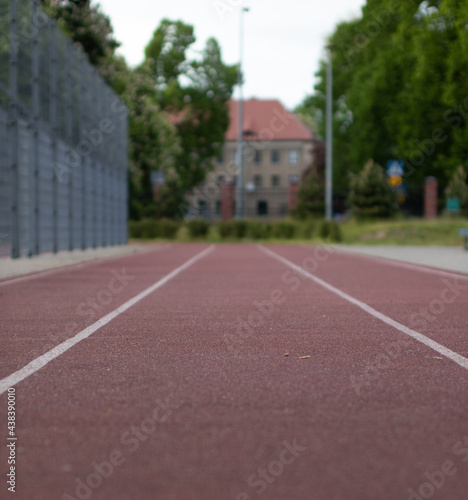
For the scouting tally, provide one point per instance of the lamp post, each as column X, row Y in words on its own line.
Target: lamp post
column 329, row 138
column 240, row 138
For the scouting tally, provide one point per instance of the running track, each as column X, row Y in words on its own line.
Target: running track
column 169, row 382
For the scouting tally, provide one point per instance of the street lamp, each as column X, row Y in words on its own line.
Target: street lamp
column 329, row 138
column 240, row 138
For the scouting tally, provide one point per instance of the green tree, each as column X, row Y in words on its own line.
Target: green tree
column 457, row 188
column 400, row 87
column 195, row 94
column 370, row 193
column 311, row 196
column 87, row 25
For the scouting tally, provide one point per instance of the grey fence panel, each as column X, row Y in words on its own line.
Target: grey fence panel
column 62, row 200
column 63, row 141
column 46, row 205
column 77, row 206
column 5, row 187
column 25, row 146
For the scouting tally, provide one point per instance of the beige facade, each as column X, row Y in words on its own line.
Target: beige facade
column 277, row 150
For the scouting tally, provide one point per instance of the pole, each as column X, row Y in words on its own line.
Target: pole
column 13, row 134
column 329, row 138
column 240, row 139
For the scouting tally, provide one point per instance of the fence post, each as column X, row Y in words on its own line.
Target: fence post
column 83, row 161
column 53, row 126
column 69, row 141
column 35, row 228
column 13, row 132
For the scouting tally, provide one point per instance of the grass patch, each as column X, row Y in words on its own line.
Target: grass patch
column 440, row 231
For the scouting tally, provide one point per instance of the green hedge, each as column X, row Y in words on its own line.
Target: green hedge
column 286, row 229
column 153, row 228
column 198, row 228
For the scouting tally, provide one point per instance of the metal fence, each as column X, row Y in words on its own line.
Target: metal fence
column 63, row 141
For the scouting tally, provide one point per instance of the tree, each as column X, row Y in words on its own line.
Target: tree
column 457, row 188
column 195, row 94
column 311, row 196
column 370, row 193
column 400, row 87
column 87, row 25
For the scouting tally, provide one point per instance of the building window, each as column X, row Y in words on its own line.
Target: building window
column 275, row 156
column 220, row 158
column 262, row 207
column 293, row 179
column 258, row 157
column 218, row 207
column 293, row 157
column 275, row 181
column 220, row 180
column 258, row 180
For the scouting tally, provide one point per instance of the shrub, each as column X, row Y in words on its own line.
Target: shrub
column 331, row 231
column 240, row 228
column 198, row 228
column 256, row 229
column 169, row 228
column 225, row 229
column 308, row 229
column 370, row 193
column 458, row 188
column 284, row 229
column 310, row 197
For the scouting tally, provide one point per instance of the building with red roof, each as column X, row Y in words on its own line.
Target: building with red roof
column 278, row 148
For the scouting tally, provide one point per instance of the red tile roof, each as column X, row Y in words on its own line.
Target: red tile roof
column 267, row 121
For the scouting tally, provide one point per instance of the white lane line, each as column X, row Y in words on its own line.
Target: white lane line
column 73, row 266
column 445, row 351
column 46, row 358
column 405, row 265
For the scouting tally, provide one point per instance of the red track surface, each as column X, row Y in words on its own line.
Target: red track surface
column 190, row 402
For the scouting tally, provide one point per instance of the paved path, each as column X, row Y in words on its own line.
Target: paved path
column 10, row 268
column 451, row 258
column 163, row 375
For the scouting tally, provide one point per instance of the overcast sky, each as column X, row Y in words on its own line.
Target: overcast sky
column 283, row 39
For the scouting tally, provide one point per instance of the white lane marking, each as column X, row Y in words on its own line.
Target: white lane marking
column 78, row 265
column 398, row 263
column 445, row 351
column 46, row 358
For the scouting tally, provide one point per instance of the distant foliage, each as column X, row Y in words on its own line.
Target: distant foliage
column 311, row 197
column 330, row 231
column 152, row 228
column 370, row 193
column 400, row 90
column 198, row 228
column 458, row 188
